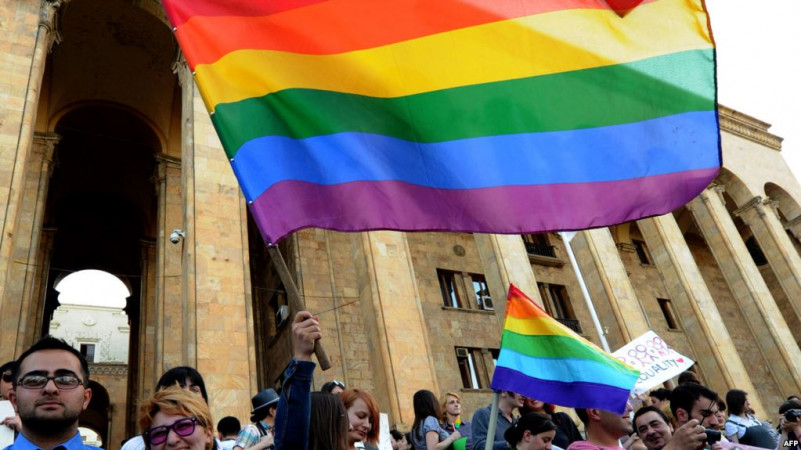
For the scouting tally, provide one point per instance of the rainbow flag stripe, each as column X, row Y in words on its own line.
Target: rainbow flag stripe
column 545, row 360
column 501, row 116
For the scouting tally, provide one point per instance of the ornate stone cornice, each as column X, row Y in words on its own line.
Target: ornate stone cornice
column 748, row 127
column 108, row 369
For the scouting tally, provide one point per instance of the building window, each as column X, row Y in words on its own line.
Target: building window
column 279, row 307
column 467, row 368
column 482, row 292
column 557, row 304
column 537, row 244
column 667, row 311
column 642, row 252
column 450, row 293
column 88, row 352
column 476, row 366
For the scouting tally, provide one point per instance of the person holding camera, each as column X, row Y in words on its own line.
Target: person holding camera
column 790, row 425
column 693, row 402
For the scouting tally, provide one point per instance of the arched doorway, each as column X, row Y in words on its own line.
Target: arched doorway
column 96, row 416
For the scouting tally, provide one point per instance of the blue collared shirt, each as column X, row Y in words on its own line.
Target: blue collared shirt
column 75, row 443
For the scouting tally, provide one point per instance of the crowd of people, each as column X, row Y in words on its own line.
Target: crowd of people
column 49, row 388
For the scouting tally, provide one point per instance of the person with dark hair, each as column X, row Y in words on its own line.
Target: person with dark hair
column 51, row 390
column 721, row 415
column 7, row 372
column 534, row 431
column 653, row 427
column 743, row 428
column 174, row 418
column 566, row 430
column 695, row 404
column 659, row 397
column 426, row 432
column 328, row 425
column 363, row 417
column 507, row 403
column 688, row 376
column 790, row 425
column 656, row 432
column 259, row 434
column 605, row 429
column 6, row 384
column 228, row 429
column 184, row 377
column 333, row 387
column 398, row 440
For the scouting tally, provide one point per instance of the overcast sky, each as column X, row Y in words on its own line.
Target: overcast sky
column 759, row 65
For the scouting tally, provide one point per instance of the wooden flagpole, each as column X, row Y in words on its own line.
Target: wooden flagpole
column 293, row 297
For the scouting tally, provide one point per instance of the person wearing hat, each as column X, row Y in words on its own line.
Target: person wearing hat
column 259, row 435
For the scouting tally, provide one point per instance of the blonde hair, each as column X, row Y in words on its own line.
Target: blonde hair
column 444, row 401
column 175, row 401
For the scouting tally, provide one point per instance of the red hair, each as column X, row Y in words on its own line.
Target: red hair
column 349, row 397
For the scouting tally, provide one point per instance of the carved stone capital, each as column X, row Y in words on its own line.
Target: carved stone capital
column 49, row 19
column 181, row 69
column 46, row 143
column 626, row 247
column 754, row 204
column 713, row 191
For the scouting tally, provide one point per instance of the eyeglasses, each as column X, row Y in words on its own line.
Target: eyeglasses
column 339, row 383
column 7, row 376
column 182, row 427
column 40, row 381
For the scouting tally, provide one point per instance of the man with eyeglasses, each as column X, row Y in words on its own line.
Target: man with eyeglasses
column 51, row 390
column 692, row 401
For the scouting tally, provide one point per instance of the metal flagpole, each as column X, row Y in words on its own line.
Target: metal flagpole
column 568, row 236
column 293, row 298
column 493, row 421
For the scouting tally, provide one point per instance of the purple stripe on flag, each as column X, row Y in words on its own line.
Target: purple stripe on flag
column 573, row 394
column 374, row 205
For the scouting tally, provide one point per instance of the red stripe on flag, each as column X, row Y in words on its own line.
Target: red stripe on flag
column 179, row 11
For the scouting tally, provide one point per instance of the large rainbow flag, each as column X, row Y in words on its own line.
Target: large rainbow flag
column 502, row 116
column 543, row 359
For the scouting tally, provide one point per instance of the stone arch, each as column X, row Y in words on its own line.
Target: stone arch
column 735, row 187
column 95, row 417
column 789, row 208
column 159, row 146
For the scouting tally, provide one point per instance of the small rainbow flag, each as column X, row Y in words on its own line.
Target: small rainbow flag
column 501, row 116
column 543, row 359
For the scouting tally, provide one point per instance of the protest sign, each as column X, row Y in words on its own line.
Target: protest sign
column 654, row 358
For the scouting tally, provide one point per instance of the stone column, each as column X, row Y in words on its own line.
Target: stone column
column 170, row 313
column 23, row 271
column 394, row 319
column 36, row 307
column 189, row 285
column 618, row 307
column 761, row 216
column 505, row 261
column 696, row 309
column 13, row 167
column 763, row 317
column 147, row 372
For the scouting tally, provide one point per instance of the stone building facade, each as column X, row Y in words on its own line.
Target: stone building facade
column 106, row 148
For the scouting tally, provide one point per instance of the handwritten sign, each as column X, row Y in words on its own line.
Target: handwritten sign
column 654, row 358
